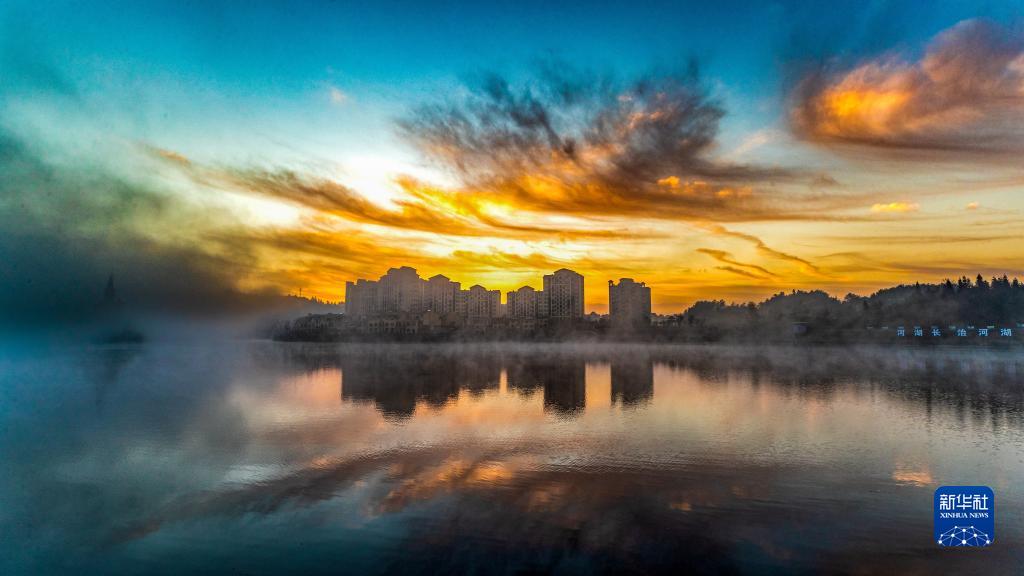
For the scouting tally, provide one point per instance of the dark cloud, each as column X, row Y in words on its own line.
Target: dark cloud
column 650, row 129
column 66, row 229
column 964, row 94
column 584, row 144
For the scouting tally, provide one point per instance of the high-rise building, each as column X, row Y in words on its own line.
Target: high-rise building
column 361, row 298
column 522, row 307
column 563, row 294
column 629, row 304
column 522, row 303
column 400, row 290
column 441, row 295
column 482, row 304
column 461, row 298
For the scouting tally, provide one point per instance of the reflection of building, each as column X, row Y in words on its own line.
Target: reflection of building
column 629, row 304
column 525, row 375
column 562, row 379
column 396, row 382
column 632, row 379
column 382, row 380
column 565, row 388
column 563, row 294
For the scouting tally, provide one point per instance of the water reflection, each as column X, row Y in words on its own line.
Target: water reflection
column 110, row 363
column 979, row 385
column 561, row 378
column 269, row 458
column 632, row 378
column 396, row 382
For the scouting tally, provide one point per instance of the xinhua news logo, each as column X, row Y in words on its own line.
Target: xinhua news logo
column 964, row 516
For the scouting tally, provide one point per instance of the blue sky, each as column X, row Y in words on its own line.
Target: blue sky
column 275, row 60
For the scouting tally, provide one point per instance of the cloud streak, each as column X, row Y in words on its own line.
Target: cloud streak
column 764, row 249
column 423, row 208
column 727, row 258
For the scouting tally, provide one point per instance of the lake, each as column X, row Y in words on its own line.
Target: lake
column 269, row 458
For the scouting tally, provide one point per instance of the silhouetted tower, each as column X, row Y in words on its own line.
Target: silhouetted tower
column 629, row 304
column 110, row 298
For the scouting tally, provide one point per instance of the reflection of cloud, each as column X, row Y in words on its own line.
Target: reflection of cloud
column 530, row 484
column 680, row 506
column 910, row 475
column 965, row 93
column 453, row 474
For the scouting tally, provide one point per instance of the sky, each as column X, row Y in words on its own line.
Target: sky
column 200, row 151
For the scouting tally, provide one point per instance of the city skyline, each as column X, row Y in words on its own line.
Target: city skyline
column 402, row 290
column 714, row 151
column 439, row 293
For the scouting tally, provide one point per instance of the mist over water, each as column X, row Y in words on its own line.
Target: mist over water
column 264, row 458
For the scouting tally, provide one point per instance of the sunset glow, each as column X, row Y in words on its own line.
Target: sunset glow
column 848, row 179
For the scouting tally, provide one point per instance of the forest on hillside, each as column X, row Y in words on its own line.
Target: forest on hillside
column 964, row 303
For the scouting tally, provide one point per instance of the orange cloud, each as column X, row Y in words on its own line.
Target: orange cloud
column 598, row 183
column 425, row 208
column 669, row 181
column 740, row 272
column 763, row 248
column 895, row 207
column 727, row 258
column 966, row 93
column 589, row 147
column 169, row 155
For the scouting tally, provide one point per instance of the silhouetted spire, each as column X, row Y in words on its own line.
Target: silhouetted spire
column 110, row 293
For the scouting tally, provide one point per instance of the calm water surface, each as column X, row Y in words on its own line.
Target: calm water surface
column 266, row 458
